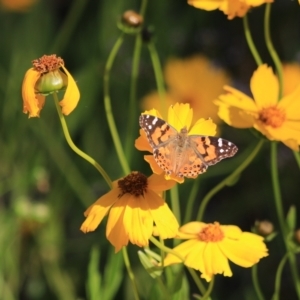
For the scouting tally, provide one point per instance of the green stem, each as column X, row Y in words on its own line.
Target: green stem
column 297, row 157
column 130, row 273
column 250, row 42
column 272, row 50
column 74, row 147
column 209, row 289
column 175, row 202
column 197, row 281
column 191, row 200
column 108, row 108
column 159, row 78
column 133, row 87
column 278, row 277
column 280, row 215
column 255, row 281
column 65, row 33
column 229, row 178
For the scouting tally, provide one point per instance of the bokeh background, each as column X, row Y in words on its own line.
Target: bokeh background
column 45, row 187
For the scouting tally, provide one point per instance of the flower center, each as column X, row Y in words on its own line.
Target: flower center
column 135, row 184
column 211, row 233
column 272, row 116
column 47, row 63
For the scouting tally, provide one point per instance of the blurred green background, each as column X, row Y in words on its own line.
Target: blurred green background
column 45, row 187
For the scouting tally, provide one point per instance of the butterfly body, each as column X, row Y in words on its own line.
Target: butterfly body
column 181, row 154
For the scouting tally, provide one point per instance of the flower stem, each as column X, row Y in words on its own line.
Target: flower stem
column 159, row 78
column 250, row 42
column 297, row 157
column 108, row 108
column 197, row 280
column 255, row 281
column 130, row 273
column 209, row 289
column 229, row 178
column 280, row 215
column 133, row 87
column 175, row 202
column 191, row 200
column 74, row 147
column 278, row 277
column 272, row 50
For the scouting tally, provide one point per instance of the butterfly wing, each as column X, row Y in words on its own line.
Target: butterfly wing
column 211, row 149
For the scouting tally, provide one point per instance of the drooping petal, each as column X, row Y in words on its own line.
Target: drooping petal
column 97, row 211
column 246, row 251
column 180, row 115
column 72, row 95
column 165, row 221
column 158, row 183
column 204, row 127
column 141, row 143
column 115, row 229
column 32, row 102
column 234, row 8
column 264, row 87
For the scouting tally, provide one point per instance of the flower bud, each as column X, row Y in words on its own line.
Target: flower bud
column 264, row 228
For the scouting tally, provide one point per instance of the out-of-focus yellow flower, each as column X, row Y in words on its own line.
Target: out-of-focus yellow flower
column 194, row 80
column 17, row 5
column 231, row 8
column 209, row 247
column 180, row 116
column 278, row 121
column 291, row 77
column 45, row 78
column 134, row 206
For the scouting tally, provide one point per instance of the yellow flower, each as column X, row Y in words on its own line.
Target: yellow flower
column 210, row 246
column 194, row 80
column 45, row 78
column 231, row 8
column 278, row 121
column 133, row 205
column 180, row 115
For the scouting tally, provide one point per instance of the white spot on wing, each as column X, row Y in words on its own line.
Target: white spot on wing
column 220, row 142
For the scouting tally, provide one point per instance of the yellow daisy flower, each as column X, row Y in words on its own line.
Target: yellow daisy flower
column 210, row 246
column 45, row 78
column 194, row 80
column 278, row 121
column 231, row 8
column 134, row 205
column 180, row 115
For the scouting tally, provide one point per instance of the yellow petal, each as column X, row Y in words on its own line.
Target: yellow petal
column 192, row 228
column 234, row 8
column 204, row 127
column 32, row 103
column 234, row 116
column 180, row 115
column 158, row 183
column 231, row 231
column 164, row 219
column 97, row 211
column 291, row 104
column 115, row 229
column 72, row 95
column 246, row 251
column 154, row 166
column 291, row 77
column 206, row 4
column 152, row 112
column 264, row 87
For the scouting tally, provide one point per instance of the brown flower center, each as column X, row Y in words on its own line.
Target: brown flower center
column 135, row 184
column 47, row 63
column 211, row 233
column 272, row 116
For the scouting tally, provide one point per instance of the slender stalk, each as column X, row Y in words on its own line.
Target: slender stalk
column 272, row 50
column 133, row 87
column 175, row 202
column 209, row 289
column 159, row 78
column 74, row 147
column 130, row 273
column 297, row 157
column 191, row 200
column 255, row 281
column 278, row 277
column 223, row 183
column 280, row 215
column 197, row 280
column 250, row 42
column 108, row 108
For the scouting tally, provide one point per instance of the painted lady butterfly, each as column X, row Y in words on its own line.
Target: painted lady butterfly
column 182, row 154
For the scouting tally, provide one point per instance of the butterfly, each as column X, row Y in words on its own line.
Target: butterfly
column 181, row 154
